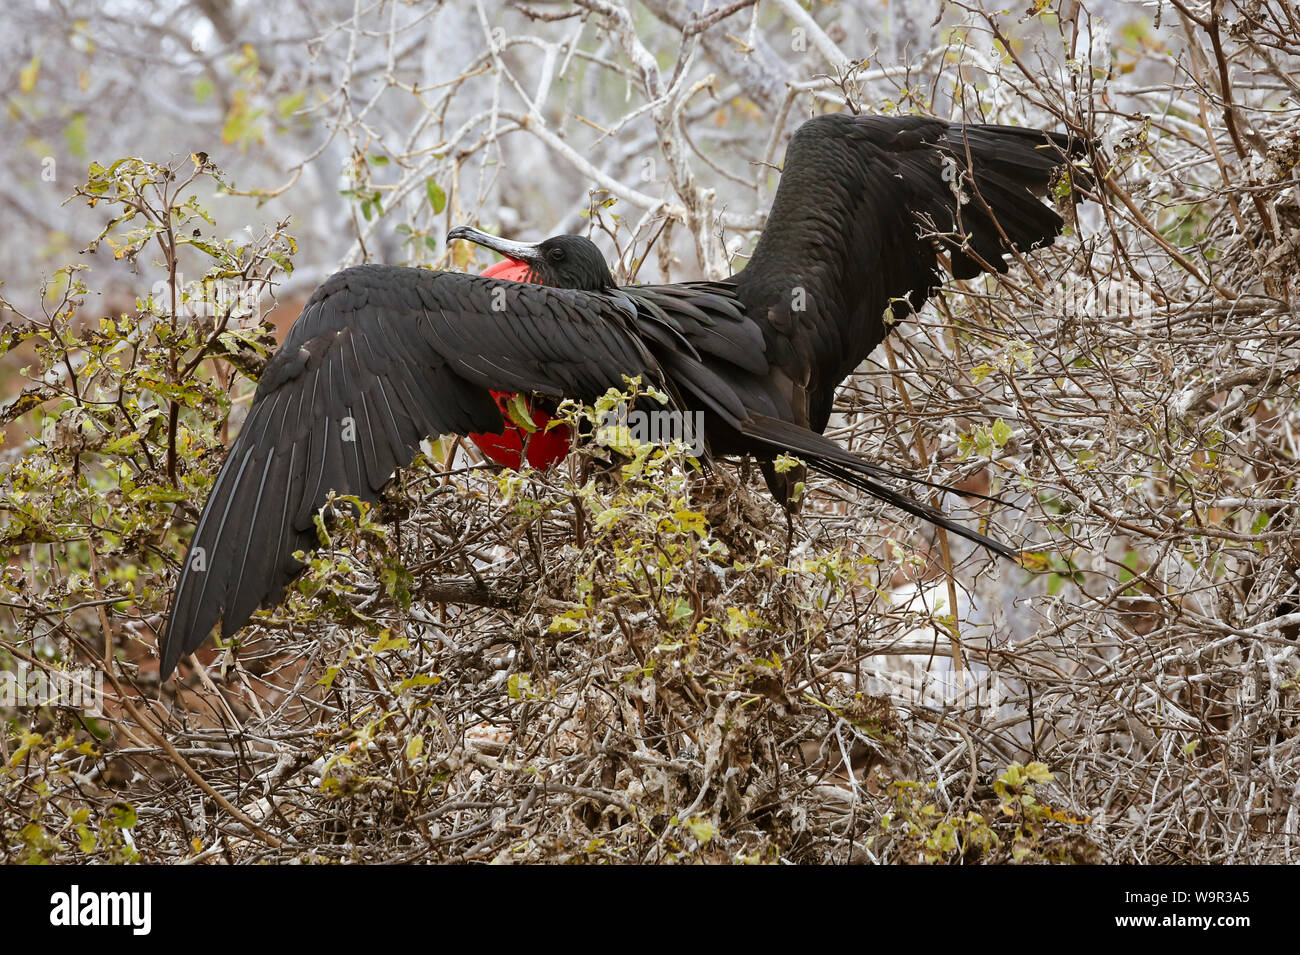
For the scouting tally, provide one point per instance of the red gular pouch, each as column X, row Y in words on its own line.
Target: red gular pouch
column 546, row 448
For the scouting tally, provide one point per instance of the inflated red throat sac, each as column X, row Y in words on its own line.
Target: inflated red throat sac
column 545, row 448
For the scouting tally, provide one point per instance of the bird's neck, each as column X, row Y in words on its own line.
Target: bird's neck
column 809, row 256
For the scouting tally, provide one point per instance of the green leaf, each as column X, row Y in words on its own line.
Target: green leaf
column 387, row 641
column 519, row 686
column 1039, row 773
column 692, row 522
column 242, row 126
column 681, row 611
column 420, row 679
column 520, row 414
column 286, row 106
column 74, row 134
column 437, row 198
column 160, row 494
column 122, row 815
column 702, row 829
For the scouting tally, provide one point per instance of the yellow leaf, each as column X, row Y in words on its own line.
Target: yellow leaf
column 415, row 747
column 27, row 75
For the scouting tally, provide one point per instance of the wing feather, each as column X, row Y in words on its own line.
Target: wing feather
column 380, row 358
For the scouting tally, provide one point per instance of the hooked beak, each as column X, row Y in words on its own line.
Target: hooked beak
column 526, row 252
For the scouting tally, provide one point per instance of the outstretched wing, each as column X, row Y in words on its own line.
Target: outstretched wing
column 380, row 358
column 864, row 205
column 712, row 319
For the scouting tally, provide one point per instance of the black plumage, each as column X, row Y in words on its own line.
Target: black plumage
column 382, row 357
column 865, row 205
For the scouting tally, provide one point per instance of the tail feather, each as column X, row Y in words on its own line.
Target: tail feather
column 824, row 455
column 780, row 433
column 911, row 506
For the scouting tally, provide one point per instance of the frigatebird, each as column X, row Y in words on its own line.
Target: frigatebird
column 382, row 357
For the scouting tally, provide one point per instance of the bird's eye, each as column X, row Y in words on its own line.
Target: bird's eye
column 556, row 255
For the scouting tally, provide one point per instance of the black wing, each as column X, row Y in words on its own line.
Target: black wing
column 711, row 318
column 380, row 358
column 864, row 205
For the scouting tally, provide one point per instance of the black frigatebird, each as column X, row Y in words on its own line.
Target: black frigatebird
column 382, row 357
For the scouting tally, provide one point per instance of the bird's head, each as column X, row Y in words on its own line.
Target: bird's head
column 562, row 261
